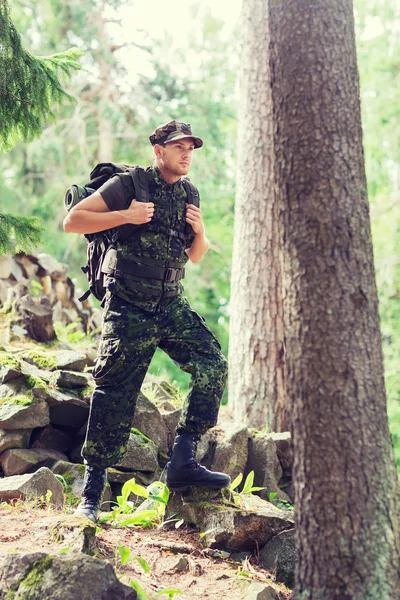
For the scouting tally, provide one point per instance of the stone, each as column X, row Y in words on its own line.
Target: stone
column 75, row 533
column 279, row 556
column 263, row 460
column 29, row 268
column 32, row 486
column 70, row 379
column 18, row 461
column 52, row 438
column 17, row 438
column 140, row 455
column 171, row 420
column 5, row 266
column 254, row 590
column 238, row 528
column 141, row 477
column 67, row 576
column 231, row 451
column 16, row 270
column 8, row 373
column 30, row 370
column 70, row 360
column 64, row 409
column 50, row 266
column 148, row 420
column 17, row 416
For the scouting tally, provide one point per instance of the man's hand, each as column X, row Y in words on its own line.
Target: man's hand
column 194, row 218
column 139, row 212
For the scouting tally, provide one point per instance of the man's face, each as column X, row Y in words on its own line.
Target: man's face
column 176, row 157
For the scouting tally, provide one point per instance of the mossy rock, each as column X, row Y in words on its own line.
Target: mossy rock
column 43, row 360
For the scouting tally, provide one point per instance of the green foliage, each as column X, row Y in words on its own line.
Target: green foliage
column 27, row 232
column 147, row 514
column 29, row 84
column 69, row 334
column 247, row 489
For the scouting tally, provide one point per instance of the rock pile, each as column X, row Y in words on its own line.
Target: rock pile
column 42, row 293
column 44, row 406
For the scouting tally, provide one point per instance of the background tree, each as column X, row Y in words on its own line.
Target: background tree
column 256, row 336
column 345, row 480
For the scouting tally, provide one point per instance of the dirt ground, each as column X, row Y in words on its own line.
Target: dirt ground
column 176, row 558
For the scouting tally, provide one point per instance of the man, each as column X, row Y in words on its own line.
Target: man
column 144, row 308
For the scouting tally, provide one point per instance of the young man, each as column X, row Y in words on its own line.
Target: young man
column 144, row 309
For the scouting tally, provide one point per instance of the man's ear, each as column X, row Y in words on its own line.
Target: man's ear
column 157, row 149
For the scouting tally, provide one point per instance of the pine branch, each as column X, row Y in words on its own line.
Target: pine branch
column 26, row 232
column 29, row 85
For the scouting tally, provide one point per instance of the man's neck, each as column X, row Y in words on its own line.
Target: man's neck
column 169, row 177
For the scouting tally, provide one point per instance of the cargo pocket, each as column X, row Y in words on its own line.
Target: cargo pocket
column 110, row 362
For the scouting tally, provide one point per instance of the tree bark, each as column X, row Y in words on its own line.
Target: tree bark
column 347, row 528
column 256, row 346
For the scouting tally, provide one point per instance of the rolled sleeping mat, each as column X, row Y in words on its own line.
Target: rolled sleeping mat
column 75, row 194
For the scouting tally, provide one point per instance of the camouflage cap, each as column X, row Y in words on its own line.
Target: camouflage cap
column 172, row 131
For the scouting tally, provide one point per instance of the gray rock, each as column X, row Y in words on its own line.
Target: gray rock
column 65, row 409
column 5, row 266
column 19, row 461
column 254, row 590
column 171, row 420
column 31, row 370
column 141, row 455
column 149, row 421
column 17, row 438
column 14, row 387
column 31, row 486
column 75, row 533
column 70, row 576
column 17, row 416
column 263, row 460
column 279, row 556
column 231, row 451
column 69, row 379
column 238, row 529
column 143, row 478
column 50, row 266
column 50, row 437
column 8, row 373
column 70, row 360
column 283, row 448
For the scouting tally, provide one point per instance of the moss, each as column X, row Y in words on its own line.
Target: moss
column 33, row 381
column 6, row 360
column 140, row 434
column 21, row 400
column 36, row 574
column 87, row 391
column 43, row 360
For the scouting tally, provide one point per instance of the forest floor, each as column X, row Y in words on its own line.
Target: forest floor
column 177, row 558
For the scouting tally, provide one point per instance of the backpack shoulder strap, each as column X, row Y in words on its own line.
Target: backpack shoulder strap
column 193, row 196
column 140, row 183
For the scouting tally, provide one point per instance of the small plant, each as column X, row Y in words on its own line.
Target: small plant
column 147, row 514
column 247, row 489
column 69, row 334
column 141, row 594
column 282, row 504
column 125, row 556
column 171, row 593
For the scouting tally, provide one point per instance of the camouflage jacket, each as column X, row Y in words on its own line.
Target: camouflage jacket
column 161, row 243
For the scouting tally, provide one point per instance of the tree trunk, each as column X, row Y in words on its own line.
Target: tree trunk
column 256, row 348
column 345, row 479
column 38, row 318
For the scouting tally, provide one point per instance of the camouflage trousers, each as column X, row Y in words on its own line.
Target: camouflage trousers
column 130, row 336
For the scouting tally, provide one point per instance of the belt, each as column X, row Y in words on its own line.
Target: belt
column 113, row 263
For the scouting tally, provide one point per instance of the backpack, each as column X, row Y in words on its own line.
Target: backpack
column 99, row 243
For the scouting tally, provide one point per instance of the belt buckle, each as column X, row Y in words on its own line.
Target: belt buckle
column 170, row 274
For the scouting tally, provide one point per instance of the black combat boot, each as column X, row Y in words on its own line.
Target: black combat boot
column 93, row 487
column 183, row 470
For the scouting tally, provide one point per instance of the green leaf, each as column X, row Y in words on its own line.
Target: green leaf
column 124, row 554
column 248, row 484
column 142, row 518
column 236, row 482
column 139, row 590
column 131, row 486
column 171, row 593
column 143, row 563
column 159, row 499
column 272, row 496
